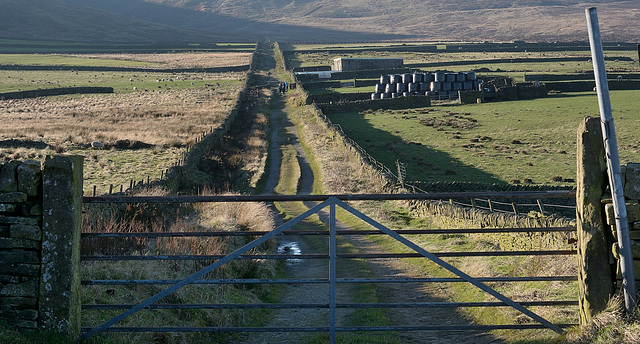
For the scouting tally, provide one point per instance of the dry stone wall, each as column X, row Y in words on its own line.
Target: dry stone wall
column 20, row 242
column 631, row 182
column 40, row 217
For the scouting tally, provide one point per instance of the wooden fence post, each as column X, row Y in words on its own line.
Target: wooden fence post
column 540, row 206
column 595, row 275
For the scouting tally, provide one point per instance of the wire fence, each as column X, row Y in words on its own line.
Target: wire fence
column 491, row 205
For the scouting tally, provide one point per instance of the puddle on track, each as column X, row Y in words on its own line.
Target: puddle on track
column 290, row 247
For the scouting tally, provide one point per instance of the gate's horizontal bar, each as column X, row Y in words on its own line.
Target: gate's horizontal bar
column 338, row 305
column 343, row 255
column 338, row 280
column 320, row 198
column 326, row 232
column 326, row 329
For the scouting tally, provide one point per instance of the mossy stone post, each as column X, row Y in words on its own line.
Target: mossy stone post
column 59, row 305
column 596, row 279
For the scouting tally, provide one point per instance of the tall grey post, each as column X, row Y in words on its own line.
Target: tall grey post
column 59, row 307
column 613, row 160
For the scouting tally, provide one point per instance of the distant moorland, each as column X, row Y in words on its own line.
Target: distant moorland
column 314, row 21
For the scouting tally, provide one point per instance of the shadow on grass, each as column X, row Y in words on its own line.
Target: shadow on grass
column 422, row 163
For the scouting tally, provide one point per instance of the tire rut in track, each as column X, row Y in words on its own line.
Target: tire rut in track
column 283, row 132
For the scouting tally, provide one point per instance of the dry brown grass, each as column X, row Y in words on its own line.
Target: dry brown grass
column 179, row 60
column 335, row 160
column 611, row 326
column 156, row 218
column 159, row 118
column 162, row 218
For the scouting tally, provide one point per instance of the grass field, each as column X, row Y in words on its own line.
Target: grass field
column 10, row 46
column 158, row 112
column 154, row 70
column 526, row 141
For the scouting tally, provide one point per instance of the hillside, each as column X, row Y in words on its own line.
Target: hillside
column 314, row 21
column 339, row 20
column 55, row 20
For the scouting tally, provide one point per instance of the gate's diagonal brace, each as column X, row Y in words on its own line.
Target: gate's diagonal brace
column 450, row 268
column 205, row 270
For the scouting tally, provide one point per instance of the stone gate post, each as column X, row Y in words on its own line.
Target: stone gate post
column 59, row 306
column 596, row 278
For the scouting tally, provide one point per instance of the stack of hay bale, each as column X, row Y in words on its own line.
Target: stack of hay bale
column 438, row 85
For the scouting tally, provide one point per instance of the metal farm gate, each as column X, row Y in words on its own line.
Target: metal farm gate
column 331, row 202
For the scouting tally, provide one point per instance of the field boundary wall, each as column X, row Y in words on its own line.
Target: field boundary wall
column 584, row 86
column 378, row 104
column 240, row 68
column 40, row 221
column 54, row 92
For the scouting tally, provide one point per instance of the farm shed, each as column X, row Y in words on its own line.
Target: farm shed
column 344, row 64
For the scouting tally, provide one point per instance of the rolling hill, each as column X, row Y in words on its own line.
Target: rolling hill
column 317, row 21
column 55, row 20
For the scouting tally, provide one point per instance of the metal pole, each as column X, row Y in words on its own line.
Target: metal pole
column 613, row 160
column 332, row 272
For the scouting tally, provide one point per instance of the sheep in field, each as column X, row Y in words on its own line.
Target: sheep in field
column 97, row 145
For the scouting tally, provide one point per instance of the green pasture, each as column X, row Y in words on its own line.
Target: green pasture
column 103, row 168
column 60, row 60
column 343, row 90
column 525, row 141
column 48, row 47
column 22, row 80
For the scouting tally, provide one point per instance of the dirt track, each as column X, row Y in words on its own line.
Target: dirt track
column 283, row 132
